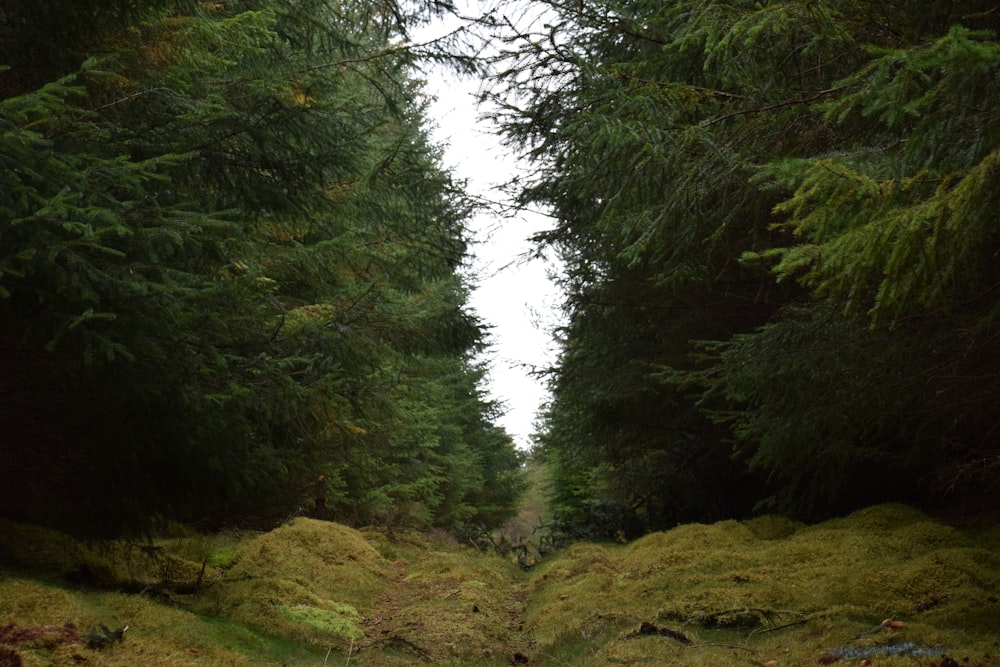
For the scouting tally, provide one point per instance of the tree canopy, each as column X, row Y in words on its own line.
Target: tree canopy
column 778, row 222
column 230, row 262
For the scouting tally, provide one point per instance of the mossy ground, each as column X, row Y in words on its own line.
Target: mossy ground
column 763, row 592
column 770, row 590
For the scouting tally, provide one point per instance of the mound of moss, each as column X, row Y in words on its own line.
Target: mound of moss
column 887, row 585
column 312, row 581
column 294, row 595
column 773, row 590
column 49, row 625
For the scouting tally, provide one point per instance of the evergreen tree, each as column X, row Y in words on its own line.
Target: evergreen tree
column 228, row 231
column 686, row 149
column 892, row 235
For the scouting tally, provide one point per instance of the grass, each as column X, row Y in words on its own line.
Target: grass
column 767, row 592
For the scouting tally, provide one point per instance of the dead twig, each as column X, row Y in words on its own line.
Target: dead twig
column 773, row 628
column 719, row 645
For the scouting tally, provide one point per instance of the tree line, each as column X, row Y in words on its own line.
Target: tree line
column 230, row 262
column 778, row 220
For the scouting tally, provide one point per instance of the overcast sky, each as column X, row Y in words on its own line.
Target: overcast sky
column 514, row 296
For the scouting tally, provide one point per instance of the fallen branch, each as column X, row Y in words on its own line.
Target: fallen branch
column 647, row 629
column 731, row 646
column 760, row 631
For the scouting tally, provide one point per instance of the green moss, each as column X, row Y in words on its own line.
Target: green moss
column 221, row 550
column 158, row 634
column 339, row 621
column 768, row 585
column 772, row 527
column 739, row 593
column 42, row 552
column 327, row 559
column 453, row 606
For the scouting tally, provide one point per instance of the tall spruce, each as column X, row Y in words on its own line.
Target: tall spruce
column 893, row 235
column 230, row 245
column 774, row 218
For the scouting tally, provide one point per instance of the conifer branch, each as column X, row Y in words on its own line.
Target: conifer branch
column 360, row 59
column 772, row 107
column 685, row 86
column 131, row 97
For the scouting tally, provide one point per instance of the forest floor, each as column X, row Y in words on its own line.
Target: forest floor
column 885, row 586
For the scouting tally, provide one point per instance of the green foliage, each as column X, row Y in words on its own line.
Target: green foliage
column 776, row 220
column 232, row 235
column 891, row 236
column 898, row 228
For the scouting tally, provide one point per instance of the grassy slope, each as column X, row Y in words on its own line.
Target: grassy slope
column 731, row 593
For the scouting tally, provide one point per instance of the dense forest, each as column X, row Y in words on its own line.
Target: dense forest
column 232, row 263
column 779, row 226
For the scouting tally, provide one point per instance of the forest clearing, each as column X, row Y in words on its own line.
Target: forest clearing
column 885, row 586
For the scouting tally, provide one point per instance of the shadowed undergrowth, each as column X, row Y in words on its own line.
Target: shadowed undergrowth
column 887, row 585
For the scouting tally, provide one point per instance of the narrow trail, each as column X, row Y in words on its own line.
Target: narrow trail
column 442, row 606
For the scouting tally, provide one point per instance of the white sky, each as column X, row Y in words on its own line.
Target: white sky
column 514, row 296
